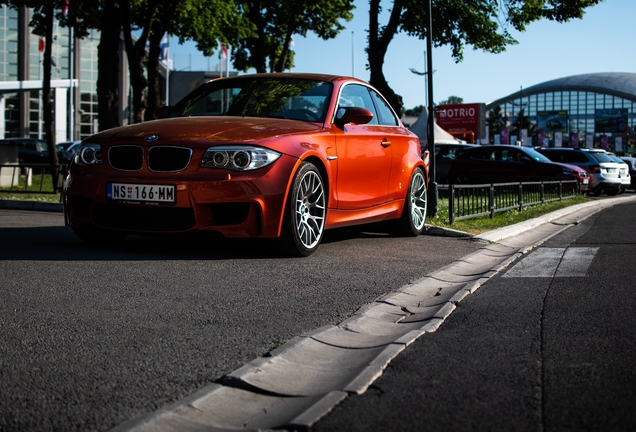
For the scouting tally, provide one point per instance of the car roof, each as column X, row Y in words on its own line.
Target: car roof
column 296, row 75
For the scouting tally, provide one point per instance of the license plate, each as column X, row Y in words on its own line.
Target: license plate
column 140, row 192
column 612, row 170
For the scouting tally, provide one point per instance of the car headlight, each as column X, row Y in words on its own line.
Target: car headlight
column 88, row 154
column 238, row 158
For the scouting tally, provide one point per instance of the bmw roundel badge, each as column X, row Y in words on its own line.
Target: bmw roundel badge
column 152, row 137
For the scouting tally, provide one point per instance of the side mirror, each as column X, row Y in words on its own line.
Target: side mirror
column 355, row 115
column 161, row 112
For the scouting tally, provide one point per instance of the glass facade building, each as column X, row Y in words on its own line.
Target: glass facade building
column 592, row 110
column 73, row 60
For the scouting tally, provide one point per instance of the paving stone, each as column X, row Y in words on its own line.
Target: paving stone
column 429, row 287
column 379, row 328
column 459, row 296
column 306, row 367
column 220, row 408
column 340, row 337
column 448, row 276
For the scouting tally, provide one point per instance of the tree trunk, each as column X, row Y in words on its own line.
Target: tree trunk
column 136, row 54
column 154, row 49
column 280, row 64
column 108, row 66
column 376, row 51
column 258, row 55
column 46, row 93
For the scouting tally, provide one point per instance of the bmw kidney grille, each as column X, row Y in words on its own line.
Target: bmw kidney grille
column 160, row 158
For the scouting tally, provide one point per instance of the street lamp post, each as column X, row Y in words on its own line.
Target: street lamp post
column 431, row 209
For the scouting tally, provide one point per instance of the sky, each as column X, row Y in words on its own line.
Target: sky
column 603, row 41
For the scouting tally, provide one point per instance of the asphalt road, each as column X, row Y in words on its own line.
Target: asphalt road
column 93, row 336
column 525, row 352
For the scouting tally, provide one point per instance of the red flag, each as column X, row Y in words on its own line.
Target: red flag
column 41, row 44
column 65, row 8
column 223, row 52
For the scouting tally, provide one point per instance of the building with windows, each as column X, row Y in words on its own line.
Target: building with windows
column 590, row 110
column 73, row 80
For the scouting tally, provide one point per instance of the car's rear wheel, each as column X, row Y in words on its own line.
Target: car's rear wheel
column 92, row 234
column 413, row 219
column 613, row 192
column 305, row 212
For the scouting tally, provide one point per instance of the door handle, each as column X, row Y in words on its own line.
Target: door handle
column 385, row 143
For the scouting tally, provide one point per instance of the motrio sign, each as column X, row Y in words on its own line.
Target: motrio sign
column 465, row 121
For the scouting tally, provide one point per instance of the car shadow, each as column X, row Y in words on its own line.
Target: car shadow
column 61, row 244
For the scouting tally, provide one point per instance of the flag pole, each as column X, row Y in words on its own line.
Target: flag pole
column 168, row 70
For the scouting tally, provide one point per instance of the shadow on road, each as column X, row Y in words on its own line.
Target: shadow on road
column 61, row 244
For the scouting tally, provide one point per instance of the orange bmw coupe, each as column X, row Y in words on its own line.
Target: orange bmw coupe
column 278, row 156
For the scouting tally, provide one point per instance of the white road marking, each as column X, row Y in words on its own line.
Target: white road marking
column 554, row 262
column 576, row 261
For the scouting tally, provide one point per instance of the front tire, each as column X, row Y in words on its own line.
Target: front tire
column 305, row 212
column 413, row 220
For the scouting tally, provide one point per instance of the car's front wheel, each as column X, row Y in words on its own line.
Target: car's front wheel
column 305, row 212
column 413, row 219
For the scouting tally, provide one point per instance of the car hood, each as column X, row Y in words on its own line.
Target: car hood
column 208, row 130
column 572, row 167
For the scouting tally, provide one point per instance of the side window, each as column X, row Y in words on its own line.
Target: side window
column 385, row 114
column 354, row 95
column 484, row 154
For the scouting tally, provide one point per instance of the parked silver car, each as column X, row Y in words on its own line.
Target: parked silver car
column 626, row 178
column 604, row 172
column 631, row 162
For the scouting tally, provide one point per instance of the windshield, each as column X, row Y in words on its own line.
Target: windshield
column 601, row 157
column 536, row 155
column 290, row 98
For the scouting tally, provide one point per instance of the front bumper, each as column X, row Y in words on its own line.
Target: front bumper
column 246, row 204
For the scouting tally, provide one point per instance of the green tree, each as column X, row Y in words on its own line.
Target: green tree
column 275, row 22
column 522, row 121
column 482, row 24
column 452, row 100
column 205, row 21
column 414, row 111
column 495, row 121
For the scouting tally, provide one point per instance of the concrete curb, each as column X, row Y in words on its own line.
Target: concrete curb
column 30, row 205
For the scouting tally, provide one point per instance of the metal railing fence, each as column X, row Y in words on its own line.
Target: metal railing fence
column 474, row 200
column 30, row 178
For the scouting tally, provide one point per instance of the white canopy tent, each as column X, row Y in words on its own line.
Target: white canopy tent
column 420, row 129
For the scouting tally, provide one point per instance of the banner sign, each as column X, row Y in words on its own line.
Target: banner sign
column 552, row 121
column 611, row 120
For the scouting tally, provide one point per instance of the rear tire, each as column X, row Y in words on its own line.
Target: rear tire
column 612, row 192
column 413, row 220
column 305, row 212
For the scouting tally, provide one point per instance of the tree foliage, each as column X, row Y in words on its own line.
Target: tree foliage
column 482, row 24
column 275, row 22
column 495, row 121
column 452, row 100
